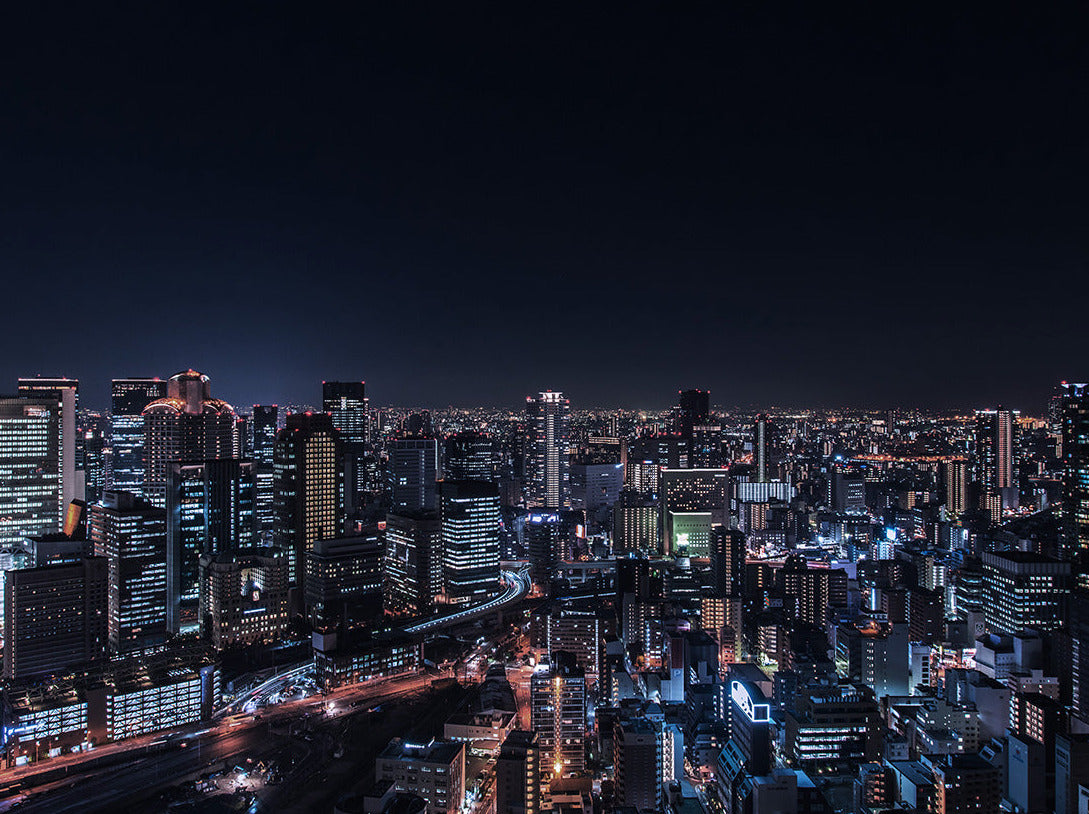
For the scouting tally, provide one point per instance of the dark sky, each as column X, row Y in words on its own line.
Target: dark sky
column 839, row 203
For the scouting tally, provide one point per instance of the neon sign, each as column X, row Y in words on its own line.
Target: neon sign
column 757, row 713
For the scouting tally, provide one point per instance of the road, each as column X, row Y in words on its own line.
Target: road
column 517, row 585
column 231, row 739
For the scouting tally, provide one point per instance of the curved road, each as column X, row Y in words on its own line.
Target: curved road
column 518, row 585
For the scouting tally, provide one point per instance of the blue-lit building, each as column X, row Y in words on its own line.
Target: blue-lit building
column 210, row 509
column 128, row 398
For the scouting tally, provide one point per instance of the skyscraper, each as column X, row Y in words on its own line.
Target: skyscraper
column 210, row 509
column 412, row 565
column 55, row 618
column 264, row 429
column 470, row 537
column 694, row 410
column 128, row 398
column 187, row 425
column 31, row 494
column 693, row 500
column 547, row 465
column 131, row 534
column 1074, row 410
column 727, row 562
column 558, row 715
column 468, row 456
column 955, row 478
column 413, row 469
column 760, row 448
column 309, row 488
column 347, row 403
column 995, row 464
column 66, row 393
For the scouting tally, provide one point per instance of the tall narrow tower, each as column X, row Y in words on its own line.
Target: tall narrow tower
column 548, row 467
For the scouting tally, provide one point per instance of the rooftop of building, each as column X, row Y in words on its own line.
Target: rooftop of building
column 434, row 751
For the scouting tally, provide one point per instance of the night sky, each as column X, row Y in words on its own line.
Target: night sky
column 857, row 203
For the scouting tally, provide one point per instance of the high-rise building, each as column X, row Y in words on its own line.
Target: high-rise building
column 694, row 410
column 995, row 458
column 636, row 527
column 558, row 715
column 518, row 774
column 210, row 508
column 1022, row 589
column 544, row 545
column 347, row 403
column 128, row 398
column 66, row 393
column 967, row 784
column 344, row 577
column 187, row 425
column 31, row 481
column 727, row 562
column 693, row 500
column 94, row 464
column 309, row 489
column 467, row 455
column 760, row 448
column 547, row 464
column 470, row 537
column 243, row 596
column 55, row 618
column 413, row 470
column 434, row 771
column 955, row 479
column 264, row 427
column 131, row 534
column 413, row 562
column 637, row 762
column 1075, row 456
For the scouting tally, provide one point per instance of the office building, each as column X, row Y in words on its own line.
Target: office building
column 831, row 730
column 1074, row 422
column 875, row 654
column 344, row 577
column 243, row 597
column 264, row 427
column 413, row 563
column 1023, row 590
column 31, row 471
column 467, row 455
column 308, row 483
column 434, row 771
column 580, row 633
column 470, row 537
column 210, row 509
column 413, row 471
column 558, row 715
column 544, row 545
column 518, row 774
column 131, row 534
column 347, row 404
column 186, row 425
column 128, row 398
column 692, row 501
column 65, row 392
column 693, row 410
column 55, row 618
column 636, row 524
column 547, row 462
column 94, row 464
column 595, row 486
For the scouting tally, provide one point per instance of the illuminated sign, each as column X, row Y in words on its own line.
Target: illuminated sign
column 757, row 713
